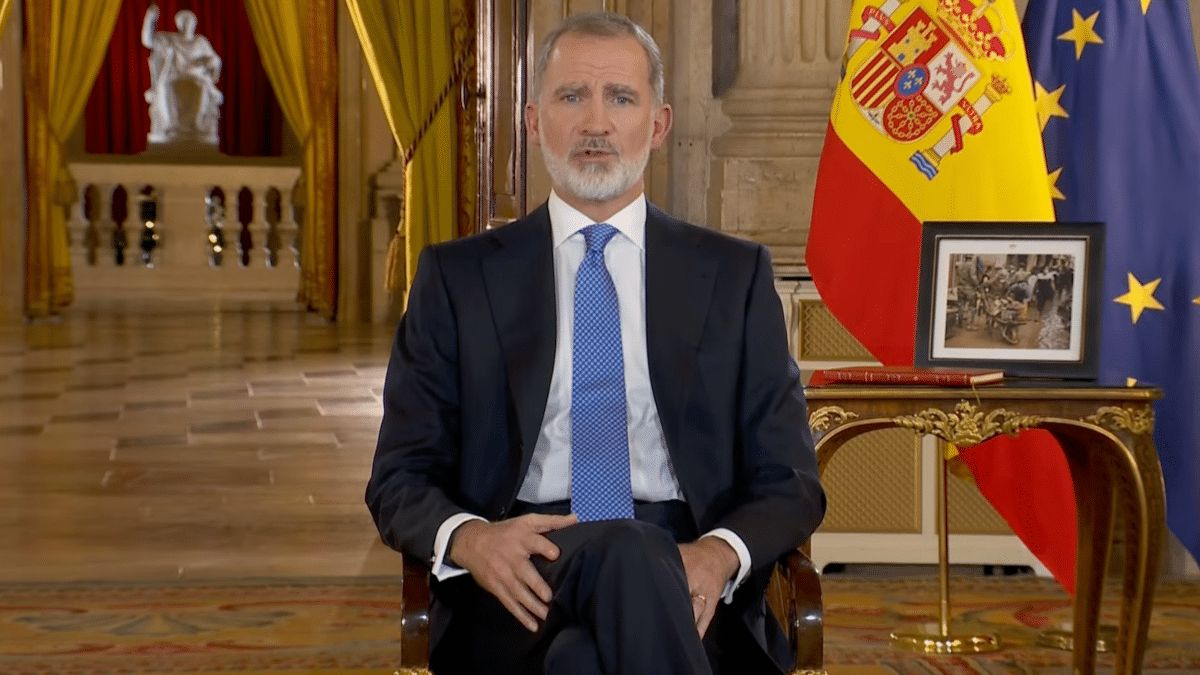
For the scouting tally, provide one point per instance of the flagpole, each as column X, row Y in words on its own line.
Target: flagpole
column 943, row 514
column 943, row 641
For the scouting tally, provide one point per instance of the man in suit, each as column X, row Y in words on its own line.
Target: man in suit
column 592, row 427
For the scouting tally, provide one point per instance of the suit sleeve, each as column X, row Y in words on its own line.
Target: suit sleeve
column 417, row 455
column 781, row 501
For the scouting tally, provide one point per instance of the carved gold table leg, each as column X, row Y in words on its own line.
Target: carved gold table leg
column 1140, row 487
column 1090, row 472
column 1114, row 465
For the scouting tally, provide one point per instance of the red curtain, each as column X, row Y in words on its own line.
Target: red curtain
column 117, row 119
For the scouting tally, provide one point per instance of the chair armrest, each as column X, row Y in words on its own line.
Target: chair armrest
column 804, row 619
column 414, row 619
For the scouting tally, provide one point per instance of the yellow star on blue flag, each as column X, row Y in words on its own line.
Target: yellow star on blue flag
column 1083, row 32
column 1140, row 297
column 1053, row 178
column 1047, row 103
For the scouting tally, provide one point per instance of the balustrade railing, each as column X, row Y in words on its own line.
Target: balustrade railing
column 146, row 229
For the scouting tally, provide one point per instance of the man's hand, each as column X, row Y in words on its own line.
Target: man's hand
column 497, row 556
column 710, row 563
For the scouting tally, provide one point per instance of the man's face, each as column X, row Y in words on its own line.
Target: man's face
column 596, row 119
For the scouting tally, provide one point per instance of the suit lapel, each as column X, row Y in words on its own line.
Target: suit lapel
column 680, row 277
column 519, row 278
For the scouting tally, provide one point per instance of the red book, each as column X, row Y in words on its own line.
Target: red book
column 938, row 377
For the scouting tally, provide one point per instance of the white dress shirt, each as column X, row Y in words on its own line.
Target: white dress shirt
column 652, row 477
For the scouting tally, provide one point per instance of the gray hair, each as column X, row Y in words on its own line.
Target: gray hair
column 603, row 25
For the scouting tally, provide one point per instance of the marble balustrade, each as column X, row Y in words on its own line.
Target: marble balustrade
column 180, row 253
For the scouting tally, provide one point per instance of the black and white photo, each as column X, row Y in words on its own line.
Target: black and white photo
column 1022, row 296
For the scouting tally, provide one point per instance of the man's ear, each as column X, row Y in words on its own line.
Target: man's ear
column 662, row 125
column 531, row 123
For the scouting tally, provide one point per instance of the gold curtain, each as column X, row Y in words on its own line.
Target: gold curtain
column 65, row 44
column 297, row 41
column 5, row 6
column 419, row 54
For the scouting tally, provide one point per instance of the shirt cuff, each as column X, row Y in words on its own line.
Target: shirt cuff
column 743, row 555
column 442, row 567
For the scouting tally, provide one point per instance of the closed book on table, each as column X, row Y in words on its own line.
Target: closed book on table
column 911, row 375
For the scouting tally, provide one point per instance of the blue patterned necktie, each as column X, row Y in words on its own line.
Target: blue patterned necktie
column 600, row 488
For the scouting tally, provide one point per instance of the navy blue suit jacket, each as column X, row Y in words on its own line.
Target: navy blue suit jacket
column 470, row 370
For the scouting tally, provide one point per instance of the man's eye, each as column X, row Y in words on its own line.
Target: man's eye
column 623, row 100
column 571, row 98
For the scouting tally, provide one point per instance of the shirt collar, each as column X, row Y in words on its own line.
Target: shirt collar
column 566, row 220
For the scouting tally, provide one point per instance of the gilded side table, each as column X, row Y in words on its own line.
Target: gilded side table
column 1107, row 436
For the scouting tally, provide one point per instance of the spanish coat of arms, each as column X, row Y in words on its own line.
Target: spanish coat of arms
column 929, row 72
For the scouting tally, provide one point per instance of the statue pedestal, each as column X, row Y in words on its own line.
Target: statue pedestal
column 183, row 150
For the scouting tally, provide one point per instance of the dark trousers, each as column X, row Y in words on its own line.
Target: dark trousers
column 621, row 605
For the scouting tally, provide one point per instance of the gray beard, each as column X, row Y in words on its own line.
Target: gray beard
column 594, row 182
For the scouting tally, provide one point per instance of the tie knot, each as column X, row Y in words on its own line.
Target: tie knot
column 597, row 236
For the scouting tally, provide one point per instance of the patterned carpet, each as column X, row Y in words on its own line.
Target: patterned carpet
column 276, row 626
column 860, row 616
column 322, row 626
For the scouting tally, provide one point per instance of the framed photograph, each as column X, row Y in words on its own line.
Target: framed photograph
column 1021, row 297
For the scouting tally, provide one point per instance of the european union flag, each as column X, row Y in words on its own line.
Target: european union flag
column 1118, row 97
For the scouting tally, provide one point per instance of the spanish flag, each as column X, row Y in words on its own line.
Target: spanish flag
column 934, row 119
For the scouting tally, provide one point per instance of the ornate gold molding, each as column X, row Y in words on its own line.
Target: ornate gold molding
column 829, row 416
column 967, row 425
column 1139, row 421
column 412, row 671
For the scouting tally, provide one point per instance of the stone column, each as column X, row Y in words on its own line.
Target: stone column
column 764, row 167
column 365, row 148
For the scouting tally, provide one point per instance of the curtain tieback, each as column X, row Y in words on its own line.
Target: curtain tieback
column 456, row 77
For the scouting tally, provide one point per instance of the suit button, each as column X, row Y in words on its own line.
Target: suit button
column 503, row 512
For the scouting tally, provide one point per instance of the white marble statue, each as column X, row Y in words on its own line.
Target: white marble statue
column 183, row 95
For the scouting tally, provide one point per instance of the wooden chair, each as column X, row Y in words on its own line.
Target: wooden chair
column 794, row 594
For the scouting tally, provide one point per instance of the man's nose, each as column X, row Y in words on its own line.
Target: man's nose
column 597, row 121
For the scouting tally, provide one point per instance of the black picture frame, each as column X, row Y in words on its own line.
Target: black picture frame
column 973, row 312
